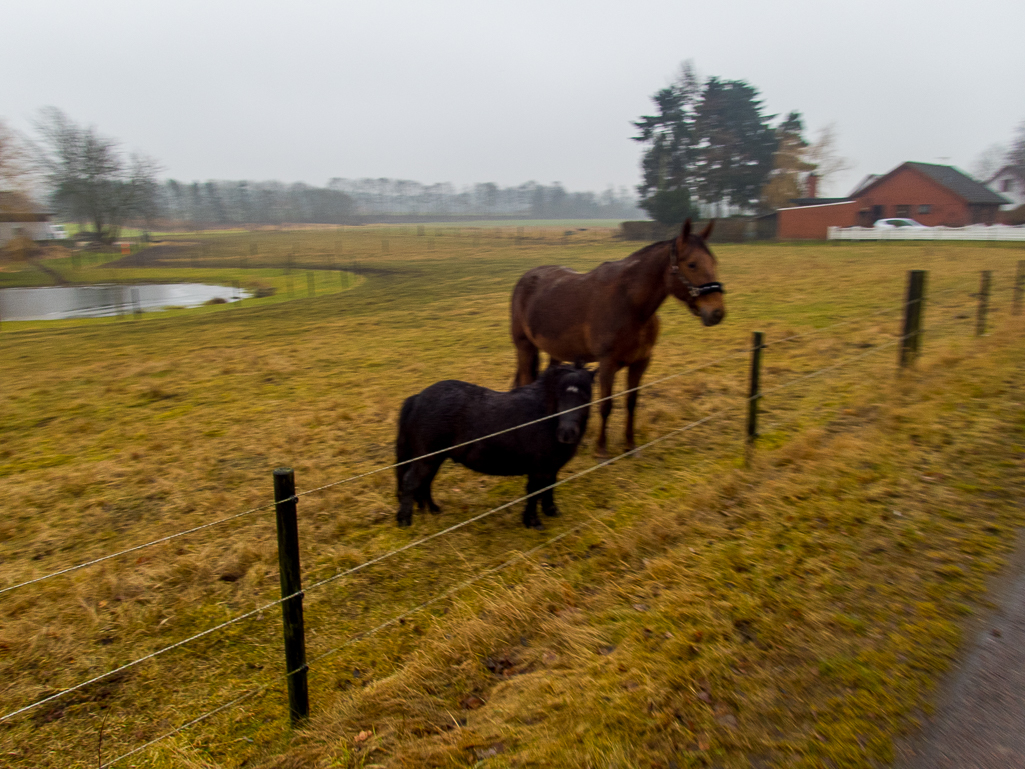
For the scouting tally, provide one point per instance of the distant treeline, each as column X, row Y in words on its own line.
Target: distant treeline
column 530, row 200
column 348, row 201
column 220, row 203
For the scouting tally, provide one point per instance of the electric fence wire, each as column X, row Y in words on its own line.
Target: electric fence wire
column 423, row 540
column 362, row 635
column 375, row 471
column 355, row 639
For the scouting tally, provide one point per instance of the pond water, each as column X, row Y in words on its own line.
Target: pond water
column 102, row 301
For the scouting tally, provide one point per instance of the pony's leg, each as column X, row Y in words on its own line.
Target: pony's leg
column 409, row 489
column 606, row 376
column 425, row 487
column 633, row 379
column 527, row 356
column 548, row 498
column 530, row 519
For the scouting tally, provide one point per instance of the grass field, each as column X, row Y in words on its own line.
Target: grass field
column 707, row 606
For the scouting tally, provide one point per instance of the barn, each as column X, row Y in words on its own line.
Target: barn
column 928, row 193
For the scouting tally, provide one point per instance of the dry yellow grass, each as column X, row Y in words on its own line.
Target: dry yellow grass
column 792, row 612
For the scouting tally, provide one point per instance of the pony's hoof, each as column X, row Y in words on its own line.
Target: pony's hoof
column 434, row 508
column 403, row 520
column 536, row 526
column 552, row 512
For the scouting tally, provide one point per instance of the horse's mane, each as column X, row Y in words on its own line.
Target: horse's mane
column 694, row 240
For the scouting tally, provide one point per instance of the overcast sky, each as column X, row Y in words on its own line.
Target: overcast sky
column 504, row 92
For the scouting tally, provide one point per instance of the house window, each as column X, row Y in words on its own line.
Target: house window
column 1005, row 185
column 924, row 210
column 903, row 211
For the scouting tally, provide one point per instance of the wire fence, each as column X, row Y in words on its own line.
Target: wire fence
column 423, row 540
column 462, row 585
column 377, row 470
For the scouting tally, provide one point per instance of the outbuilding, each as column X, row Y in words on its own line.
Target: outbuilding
column 19, row 217
column 1009, row 182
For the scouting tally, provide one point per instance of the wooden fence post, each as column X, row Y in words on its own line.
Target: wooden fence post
column 291, row 585
column 757, row 344
column 980, row 318
column 910, row 342
column 1019, row 283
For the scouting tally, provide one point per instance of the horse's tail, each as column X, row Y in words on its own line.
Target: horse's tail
column 403, row 444
column 527, row 355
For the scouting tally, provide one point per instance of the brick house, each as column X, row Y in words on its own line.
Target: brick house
column 930, row 194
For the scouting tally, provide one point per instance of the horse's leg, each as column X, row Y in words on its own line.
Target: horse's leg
column 633, row 379
column 530, row 519
column 526, row 360
column 606, row 376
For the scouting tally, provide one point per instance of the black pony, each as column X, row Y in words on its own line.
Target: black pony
column 451, row 412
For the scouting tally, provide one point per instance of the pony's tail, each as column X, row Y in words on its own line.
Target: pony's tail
column 403, row 449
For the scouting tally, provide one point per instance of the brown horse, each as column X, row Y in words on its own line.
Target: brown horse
column 608, row 314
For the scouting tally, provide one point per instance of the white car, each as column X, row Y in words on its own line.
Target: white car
column 890, row 224
column 57, row 232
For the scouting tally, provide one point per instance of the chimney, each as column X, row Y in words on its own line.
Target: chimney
column 812, row 185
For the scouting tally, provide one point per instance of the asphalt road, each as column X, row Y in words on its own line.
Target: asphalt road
column 980, row 720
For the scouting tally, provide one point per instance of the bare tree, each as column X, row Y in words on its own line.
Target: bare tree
column 17, row 172
column 1016, row 153
column 789, row 166
column 824, row 155
column 89, row 178
column 989, row 161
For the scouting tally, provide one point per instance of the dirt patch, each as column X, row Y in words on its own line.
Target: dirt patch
column 153, row 256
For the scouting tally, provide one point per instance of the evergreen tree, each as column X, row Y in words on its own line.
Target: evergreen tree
column 668, row 163
column 734, row 143
column 709, row 141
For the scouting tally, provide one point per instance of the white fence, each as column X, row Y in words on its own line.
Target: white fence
column 972, row 232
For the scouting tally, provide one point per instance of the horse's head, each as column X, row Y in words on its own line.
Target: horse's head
column 569, row 390
column 691, row 275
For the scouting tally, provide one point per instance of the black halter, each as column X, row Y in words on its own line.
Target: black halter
column 694, row 291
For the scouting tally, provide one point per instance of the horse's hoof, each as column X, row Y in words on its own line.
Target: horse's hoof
column 601, row 453
column 552, row 512
column 404, row 521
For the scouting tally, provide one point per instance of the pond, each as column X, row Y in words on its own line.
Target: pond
column 102, row 301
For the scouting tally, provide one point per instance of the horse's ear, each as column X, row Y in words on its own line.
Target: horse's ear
column 708, row 230
column 685, row 233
